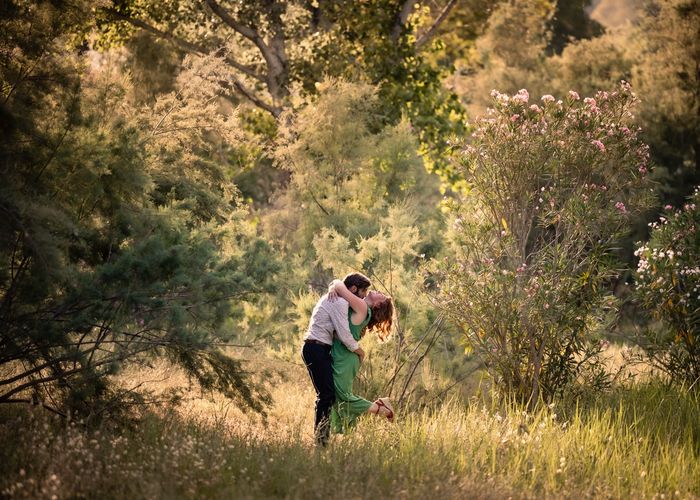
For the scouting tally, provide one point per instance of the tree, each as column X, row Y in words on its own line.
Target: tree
column 572, row 22
column 121, row 238
column 667, row 75
column 270, row 48
column 510, row 54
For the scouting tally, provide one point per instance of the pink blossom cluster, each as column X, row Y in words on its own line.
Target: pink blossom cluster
column 599, row 145
column 522, row 97
column 592, row 105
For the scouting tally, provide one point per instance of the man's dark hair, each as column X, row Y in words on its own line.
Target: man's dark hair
column 356, row 279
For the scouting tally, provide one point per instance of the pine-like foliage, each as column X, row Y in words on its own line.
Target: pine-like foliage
column 121, row 238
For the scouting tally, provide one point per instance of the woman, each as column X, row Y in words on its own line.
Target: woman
column 374, row 313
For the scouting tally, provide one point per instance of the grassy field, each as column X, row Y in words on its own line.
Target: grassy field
column 639, row 442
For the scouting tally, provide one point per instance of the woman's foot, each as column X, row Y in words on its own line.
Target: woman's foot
column 385, row 409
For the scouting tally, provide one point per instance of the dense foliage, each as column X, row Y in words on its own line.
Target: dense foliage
column 669, row 286
column 552, row 185
column 121, row 236
column 184, row 178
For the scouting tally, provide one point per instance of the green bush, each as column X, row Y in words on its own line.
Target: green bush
column 668, row 284
column 551, row 189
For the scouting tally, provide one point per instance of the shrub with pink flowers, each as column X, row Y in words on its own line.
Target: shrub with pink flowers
column 668, row 284
column 552, row 187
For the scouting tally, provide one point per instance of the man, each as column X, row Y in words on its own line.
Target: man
column 329, row 317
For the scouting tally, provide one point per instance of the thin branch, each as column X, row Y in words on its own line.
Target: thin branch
column 423, row 39
column 418, row 362
column 250, row 95
column 185, row 45
column 33, row 403
column 274, row 55
column 244, row 30
column 64, row 375
column 47, row 364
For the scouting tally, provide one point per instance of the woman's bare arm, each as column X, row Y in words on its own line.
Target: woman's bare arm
column 356, row 303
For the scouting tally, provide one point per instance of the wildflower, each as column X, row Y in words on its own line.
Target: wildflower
column 522, row 96
column 547, row 98
column 501, row 98
column 574, row 95
column 621, row 207
column 535, row 108
column 514, row 118
column 599, row 145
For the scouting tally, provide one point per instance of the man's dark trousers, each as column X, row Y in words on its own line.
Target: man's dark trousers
column 317, row 358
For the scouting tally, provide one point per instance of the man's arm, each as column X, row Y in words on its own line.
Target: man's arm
column 338, row 314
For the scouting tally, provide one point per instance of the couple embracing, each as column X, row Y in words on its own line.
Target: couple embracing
column 333, row 356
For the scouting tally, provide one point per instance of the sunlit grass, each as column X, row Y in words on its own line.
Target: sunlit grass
column 642, row 441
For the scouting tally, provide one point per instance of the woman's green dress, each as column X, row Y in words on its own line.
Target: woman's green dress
column 346, row 364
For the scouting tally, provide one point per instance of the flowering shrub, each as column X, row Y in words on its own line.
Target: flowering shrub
column 552, row 187
column 668, row 278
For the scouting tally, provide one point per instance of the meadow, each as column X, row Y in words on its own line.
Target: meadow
column 639, row 441
column 182, row 180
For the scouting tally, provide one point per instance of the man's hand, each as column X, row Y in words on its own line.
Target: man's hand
column 361, row 354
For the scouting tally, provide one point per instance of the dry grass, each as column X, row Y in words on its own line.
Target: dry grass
column 642, row 442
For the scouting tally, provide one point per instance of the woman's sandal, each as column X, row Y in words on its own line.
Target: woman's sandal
column 381, row 403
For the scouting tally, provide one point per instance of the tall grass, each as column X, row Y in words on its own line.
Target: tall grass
column 642, row 441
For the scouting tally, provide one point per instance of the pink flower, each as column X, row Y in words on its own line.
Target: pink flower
column 599, row 145
column 522, row 96
column 514, row 118
column 535, row 108
column 574, row 95
column 621, row 207
column 547, row 98
column 502, row 98
column 642, row 169
column 667, row 207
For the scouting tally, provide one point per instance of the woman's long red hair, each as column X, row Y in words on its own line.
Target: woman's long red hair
column 382, row 318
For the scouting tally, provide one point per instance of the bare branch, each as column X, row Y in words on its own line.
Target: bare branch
column 64, row 375
column 273, row 54
column 275, row 111
column 244, row 30
column 181, row 43
column 32, row 402
column 423, row 39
